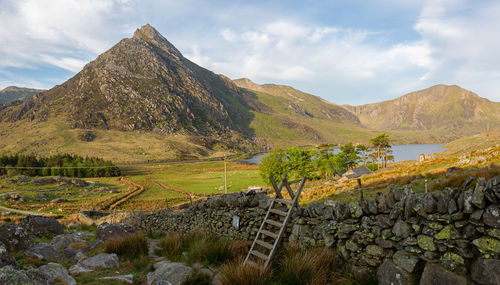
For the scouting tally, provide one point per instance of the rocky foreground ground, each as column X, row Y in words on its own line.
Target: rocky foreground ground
column 67, row 255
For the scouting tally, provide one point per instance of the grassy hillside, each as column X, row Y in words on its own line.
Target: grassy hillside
column 12, row 93
column 446, row 112
column 293, row 117
column 56, row 136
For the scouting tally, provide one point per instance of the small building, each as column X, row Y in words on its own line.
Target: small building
column 356, row 172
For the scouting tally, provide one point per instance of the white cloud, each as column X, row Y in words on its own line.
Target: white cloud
column 64, row 33
column 453, row 42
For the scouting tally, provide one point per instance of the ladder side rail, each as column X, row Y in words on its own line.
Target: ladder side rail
column 283, row 180
column 285, row 222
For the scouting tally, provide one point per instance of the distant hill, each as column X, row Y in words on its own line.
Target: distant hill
column 12, row 93
column 448, row 111
column 294, row 117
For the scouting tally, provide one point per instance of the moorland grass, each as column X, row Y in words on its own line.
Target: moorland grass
column 131, row 247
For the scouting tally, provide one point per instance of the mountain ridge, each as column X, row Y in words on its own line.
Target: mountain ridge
column 142, row 99
column 11, row 93
column 447, row 107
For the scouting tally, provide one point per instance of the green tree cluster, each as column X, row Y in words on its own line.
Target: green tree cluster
column 322, row 161
column 60, row 164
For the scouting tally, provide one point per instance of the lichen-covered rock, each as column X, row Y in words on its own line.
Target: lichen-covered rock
column 5, row 257
column 486, row 271
column 435, row 274
column 65, row 240
column 40, row 226
column 107, row 231
column 169, row 273
column 426, row 243
column 103, row 260
column 43, row 251
column 57, row 273
column 453, row 261
column 487, row 245
column 10, row 275
column 15, row 237
column 478, row 196
column 390, row 274
column 447, row 233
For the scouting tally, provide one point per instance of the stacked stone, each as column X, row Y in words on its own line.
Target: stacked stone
column 403, row 237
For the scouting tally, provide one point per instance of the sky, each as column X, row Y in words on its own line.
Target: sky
column 347, row 52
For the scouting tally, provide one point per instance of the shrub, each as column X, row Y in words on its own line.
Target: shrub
column 130, row 247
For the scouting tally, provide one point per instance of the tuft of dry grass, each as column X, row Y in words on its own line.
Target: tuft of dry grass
column 130, row 247
column 237, row 273
column 300, row 266
column 197, row 277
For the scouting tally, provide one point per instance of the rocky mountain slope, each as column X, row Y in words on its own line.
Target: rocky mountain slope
column 12, row 93
column 447, row 109
column 144, row 83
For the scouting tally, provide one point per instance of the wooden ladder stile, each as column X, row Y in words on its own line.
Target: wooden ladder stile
column 278, row 199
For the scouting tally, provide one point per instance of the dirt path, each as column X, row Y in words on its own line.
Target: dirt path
column 136, row 189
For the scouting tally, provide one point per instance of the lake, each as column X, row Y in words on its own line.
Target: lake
column 400, row 152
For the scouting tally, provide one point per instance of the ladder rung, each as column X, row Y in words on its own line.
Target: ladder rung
column 270, row 234
column 274, row 223
column 285, row 201
column 260, row 254
column 264, row 244
column 253, row 264
column 278, row 212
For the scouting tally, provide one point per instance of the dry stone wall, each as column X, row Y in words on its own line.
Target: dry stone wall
column 446, row 237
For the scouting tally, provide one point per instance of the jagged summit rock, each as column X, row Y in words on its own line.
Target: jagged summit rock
column 151, row 35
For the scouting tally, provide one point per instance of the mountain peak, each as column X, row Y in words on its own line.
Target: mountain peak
column 149, row 34
column 147, row 31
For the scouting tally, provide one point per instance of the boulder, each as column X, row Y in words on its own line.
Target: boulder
column 107, row 231
column 43, row 251
column 390, row 274
column 65, row 240
column 15, row 237
column 40, row 226
column 491, row 216
column 5, row 257
column 486, row 271
column 169, row 273
column 10, row 275
column 103, row 260
column 57, row 273
column 435, row 274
